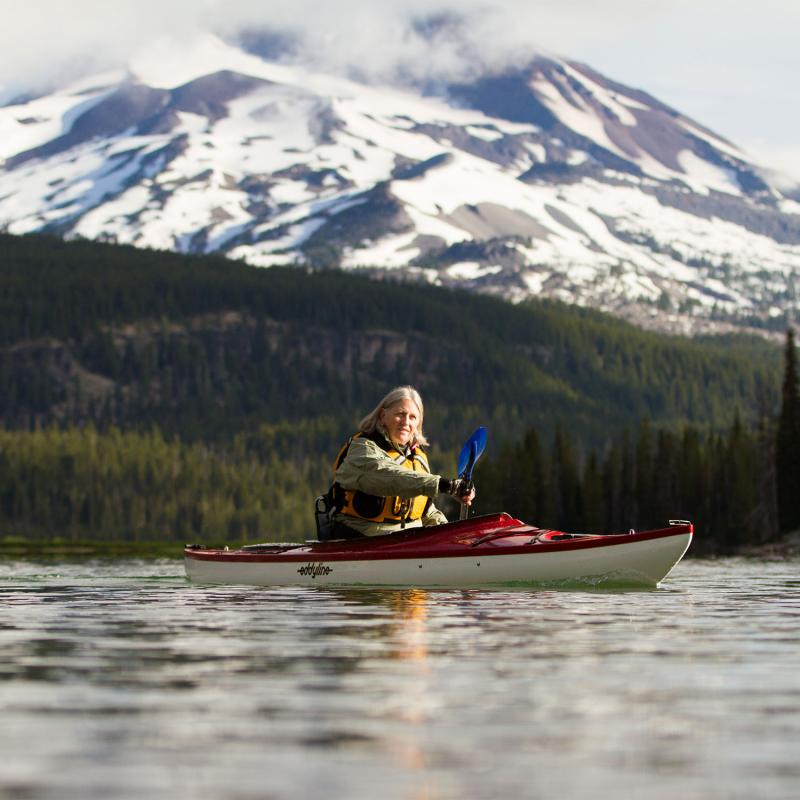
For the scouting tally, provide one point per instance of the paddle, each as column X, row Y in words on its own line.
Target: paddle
column 470, row 453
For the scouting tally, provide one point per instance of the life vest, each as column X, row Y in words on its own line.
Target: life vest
column 355, row 503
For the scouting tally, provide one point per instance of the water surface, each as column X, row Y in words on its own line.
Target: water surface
column 118, row 679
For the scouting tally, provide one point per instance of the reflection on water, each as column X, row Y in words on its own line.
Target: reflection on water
column 412, row 614
column 119, row 679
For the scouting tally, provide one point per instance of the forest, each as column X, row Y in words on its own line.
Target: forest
column 150, row 396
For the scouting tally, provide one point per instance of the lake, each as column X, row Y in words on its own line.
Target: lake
column 119, row 679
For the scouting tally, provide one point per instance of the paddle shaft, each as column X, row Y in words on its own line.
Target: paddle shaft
column 467, row 475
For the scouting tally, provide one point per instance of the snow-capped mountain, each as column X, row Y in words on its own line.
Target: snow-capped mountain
column 545, row 181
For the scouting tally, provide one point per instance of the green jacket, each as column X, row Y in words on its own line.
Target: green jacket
column 368, row 468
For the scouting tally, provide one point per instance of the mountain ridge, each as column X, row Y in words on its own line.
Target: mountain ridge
column 548, row 180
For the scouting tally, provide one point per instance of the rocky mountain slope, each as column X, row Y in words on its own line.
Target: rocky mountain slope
column 549, row 180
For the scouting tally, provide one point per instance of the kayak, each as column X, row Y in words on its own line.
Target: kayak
column 491, row 550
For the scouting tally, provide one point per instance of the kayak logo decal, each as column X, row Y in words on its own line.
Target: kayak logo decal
column 314, row 570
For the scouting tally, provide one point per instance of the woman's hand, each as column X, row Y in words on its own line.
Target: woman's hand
column 460, row 488
column 467, row 499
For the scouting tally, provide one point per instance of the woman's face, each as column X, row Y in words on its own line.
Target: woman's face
column 401, row 421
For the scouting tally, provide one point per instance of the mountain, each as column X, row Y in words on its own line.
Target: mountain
column 548, row 180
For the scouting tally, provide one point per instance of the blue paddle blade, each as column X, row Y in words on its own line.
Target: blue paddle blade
column 471, row 452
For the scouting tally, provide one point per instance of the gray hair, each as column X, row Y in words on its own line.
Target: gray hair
column 371, row 422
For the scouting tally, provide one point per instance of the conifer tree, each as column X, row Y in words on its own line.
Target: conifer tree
column 613, row 469
column 739, row 479
column 643, row 475
column 787, row 444
column 594, row 507
column 566, row 483
column 627, row 496
column 529, row 465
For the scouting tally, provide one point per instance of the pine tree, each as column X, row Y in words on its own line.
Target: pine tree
column 787, row 444
column 528, row 464
column 566, row 483
column 643, row 476
column 738, row 468
column 594, row 517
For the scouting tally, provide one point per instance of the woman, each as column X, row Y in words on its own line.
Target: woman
column 382, row 479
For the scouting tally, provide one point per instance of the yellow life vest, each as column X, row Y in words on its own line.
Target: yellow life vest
column 355, row 503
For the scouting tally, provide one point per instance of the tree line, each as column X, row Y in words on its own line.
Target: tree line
column 118, row 364
column 739, row 487
column 80, row 485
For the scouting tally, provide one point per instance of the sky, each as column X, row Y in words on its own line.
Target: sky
column 730, row 65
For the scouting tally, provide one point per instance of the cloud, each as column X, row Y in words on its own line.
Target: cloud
column 781, row 163
column 420, row 39
column 730, row 64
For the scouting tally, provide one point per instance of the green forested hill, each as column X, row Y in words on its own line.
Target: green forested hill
column 207, row 347
column 282, row 363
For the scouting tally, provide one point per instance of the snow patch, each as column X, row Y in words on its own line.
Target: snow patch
column 605, row 97
column 703, row 177
column 471, row 270
column 487, row 134
column 575, row 114
column 390, row 252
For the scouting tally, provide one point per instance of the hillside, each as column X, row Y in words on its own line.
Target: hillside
column 206, row 348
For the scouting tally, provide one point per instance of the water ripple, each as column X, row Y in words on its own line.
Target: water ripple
column 119, row 679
